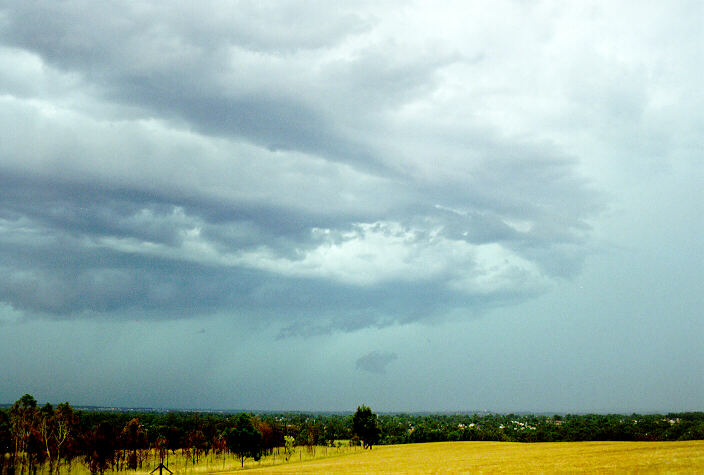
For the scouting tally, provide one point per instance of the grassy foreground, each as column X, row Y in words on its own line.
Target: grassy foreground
column 491, row 457
column 213, row 463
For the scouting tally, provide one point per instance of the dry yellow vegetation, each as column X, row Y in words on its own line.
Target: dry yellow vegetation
column 456, row 457
column 506, row 457
column 212, row 463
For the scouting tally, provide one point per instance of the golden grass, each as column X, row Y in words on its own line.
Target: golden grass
column 457, row 457
column 213, row 463
column 506, row 457
column 228, row 463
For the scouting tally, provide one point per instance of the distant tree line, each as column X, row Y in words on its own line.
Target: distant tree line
column 53, row 438
column 411, row 428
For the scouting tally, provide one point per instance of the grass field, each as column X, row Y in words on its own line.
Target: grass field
column 228, row 463
column 492, row 457
column 214, row 463
column 474, row 457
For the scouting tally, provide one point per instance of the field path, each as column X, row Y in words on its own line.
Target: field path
column 507, row 457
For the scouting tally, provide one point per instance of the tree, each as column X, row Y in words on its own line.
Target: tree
column 47, row 429
column 244, row 440
column 23, row 425
column 5, row 442
column 101, row 444
column 65, row 422
column 335, row 429
column 366, row 426
column 289, row 446
column 197, row 442
column 134, row 438
column 271, row 435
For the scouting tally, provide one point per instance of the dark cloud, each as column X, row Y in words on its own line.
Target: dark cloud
column 375, row 362
column 281, row 27
column 351, row 177
column 175, row 70
column 248, row 163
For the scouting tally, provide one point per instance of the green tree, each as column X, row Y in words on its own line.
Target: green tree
column 289, row 444
column 335, row 430
column 244, row 440
column 366, row 426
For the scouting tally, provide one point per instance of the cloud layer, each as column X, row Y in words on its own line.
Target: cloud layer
column 245, row 161
column 250, row 195
column 376, row 361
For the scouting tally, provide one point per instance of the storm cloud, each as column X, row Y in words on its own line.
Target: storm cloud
column 172, row 168
column 305, row 181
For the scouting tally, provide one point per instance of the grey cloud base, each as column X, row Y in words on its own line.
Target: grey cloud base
column 503, row 201
column 210, row 192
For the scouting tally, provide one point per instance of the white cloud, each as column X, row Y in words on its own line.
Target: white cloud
column 370, row 254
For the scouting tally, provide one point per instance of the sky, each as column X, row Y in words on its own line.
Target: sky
column 418, row 206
